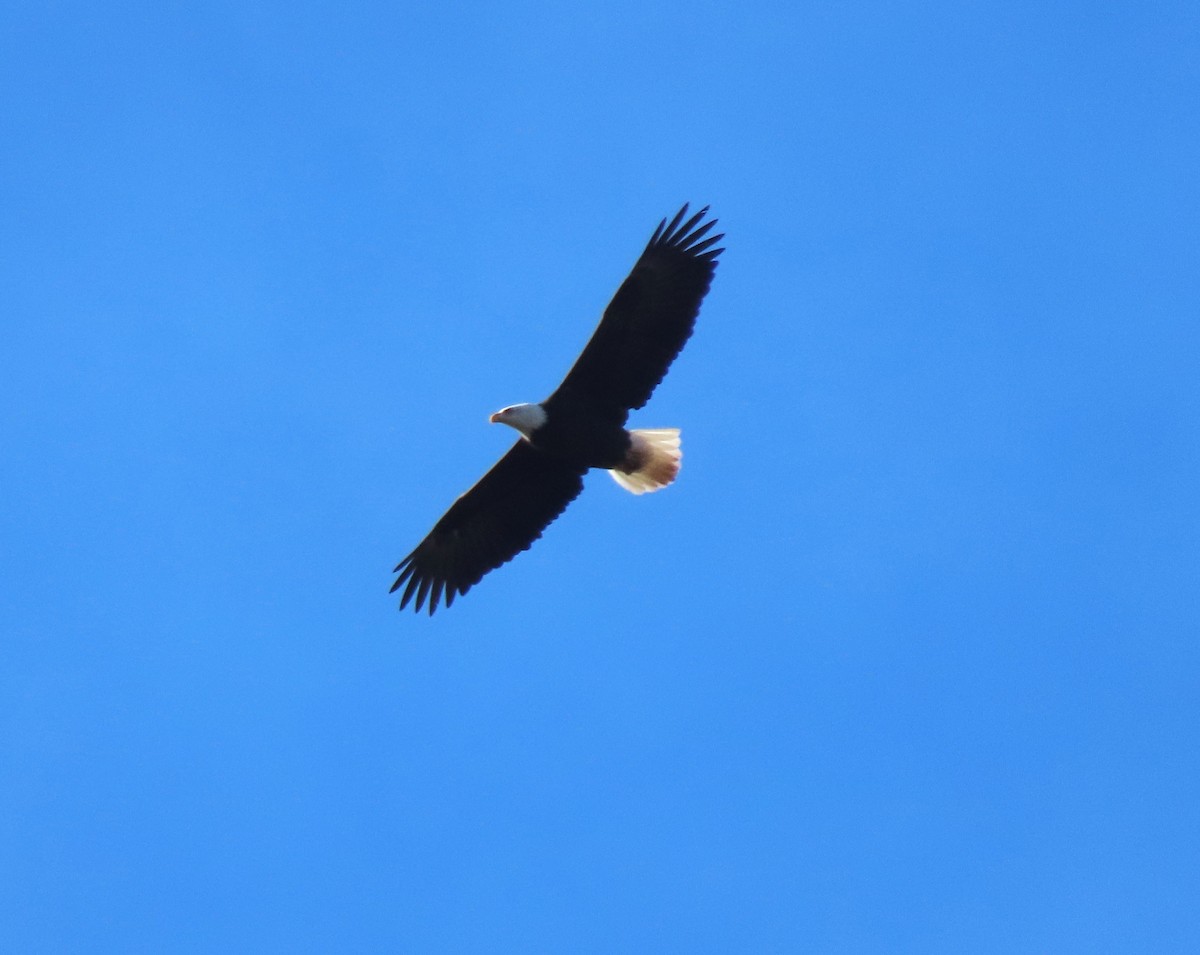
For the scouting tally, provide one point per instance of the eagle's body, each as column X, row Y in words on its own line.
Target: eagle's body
column 580, row 426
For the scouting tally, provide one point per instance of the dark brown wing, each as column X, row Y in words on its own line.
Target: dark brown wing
column 647, row 322
column 505, row 512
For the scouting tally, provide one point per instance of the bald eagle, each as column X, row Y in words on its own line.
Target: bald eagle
column 581, row 425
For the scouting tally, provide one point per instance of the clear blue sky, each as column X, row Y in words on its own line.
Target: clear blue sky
column 907, row 661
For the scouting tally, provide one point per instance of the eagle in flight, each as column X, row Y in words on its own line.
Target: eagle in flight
column 581, row 425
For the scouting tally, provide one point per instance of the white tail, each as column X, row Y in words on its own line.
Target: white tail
column 653, row 460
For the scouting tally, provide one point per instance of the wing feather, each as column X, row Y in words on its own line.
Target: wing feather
column 505, row 512
column 647, row 323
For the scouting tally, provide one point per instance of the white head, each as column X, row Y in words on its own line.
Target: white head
column 525, row 418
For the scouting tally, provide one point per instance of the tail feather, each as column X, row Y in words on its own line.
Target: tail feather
column 653, row 460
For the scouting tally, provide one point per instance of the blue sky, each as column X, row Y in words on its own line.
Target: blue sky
column 907, row 661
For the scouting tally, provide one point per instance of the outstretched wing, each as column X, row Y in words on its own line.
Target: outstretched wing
column 647, row 322
column 505, row 512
